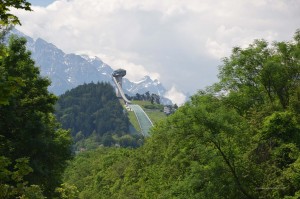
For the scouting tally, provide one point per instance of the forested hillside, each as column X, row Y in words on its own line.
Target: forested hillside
column 240, row 138
column 95, row 116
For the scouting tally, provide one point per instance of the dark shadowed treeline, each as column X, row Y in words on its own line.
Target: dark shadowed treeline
column 95, row 117
column 33, row 147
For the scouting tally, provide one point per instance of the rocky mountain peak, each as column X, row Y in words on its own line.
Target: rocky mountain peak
column 67, row 71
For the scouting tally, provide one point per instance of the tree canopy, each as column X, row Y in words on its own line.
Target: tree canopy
column 8, row 84
column 240, row 138
column 8, row 18
column 95, row 116
column 263, row 75
column 28, row 128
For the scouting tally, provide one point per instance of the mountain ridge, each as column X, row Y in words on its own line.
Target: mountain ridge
column 66, row 71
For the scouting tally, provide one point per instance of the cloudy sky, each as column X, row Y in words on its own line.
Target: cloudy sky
column 179, row 42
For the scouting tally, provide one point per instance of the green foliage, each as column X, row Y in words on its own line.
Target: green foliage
column 95, row 117
column 6, row 18
column 282, row 126
column 173, row 161
column 260, row 75
column 154, row 111
column 133, row 121
column 154, row 106
column 9, row 85
column 155, row 116
column 12, row 183
column 91, row 107
column 27, row 125
column 33, row 149
column 238, row 139
column 92, row 169
column 67, row 191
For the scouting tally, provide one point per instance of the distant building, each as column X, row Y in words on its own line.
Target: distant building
column 167, row 110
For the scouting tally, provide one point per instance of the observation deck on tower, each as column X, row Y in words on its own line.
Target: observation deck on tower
column 119, row 73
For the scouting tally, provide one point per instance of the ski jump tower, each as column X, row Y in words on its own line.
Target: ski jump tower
column 143, row 119
column 117, row 76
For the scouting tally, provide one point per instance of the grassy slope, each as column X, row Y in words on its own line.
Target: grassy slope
column 155, row 115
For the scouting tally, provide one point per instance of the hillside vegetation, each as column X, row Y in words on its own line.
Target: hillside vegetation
column 240, row 138
column 33, row 147
column 95, row 117
column 154, row 111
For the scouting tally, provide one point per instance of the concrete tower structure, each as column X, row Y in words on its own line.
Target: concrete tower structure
column 118, row 75
column 142, row 118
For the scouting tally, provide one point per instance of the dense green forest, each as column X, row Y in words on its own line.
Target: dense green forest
column 239, row 138
column 95, row 117
column 33, row 147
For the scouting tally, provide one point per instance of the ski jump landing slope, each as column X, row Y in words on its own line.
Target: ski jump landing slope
column 143, row 119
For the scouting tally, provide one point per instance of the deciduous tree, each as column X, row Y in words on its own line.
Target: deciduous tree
column 27, row 125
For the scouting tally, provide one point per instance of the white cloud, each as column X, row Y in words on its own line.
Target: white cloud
column 179, row 42
column 134, row 71
column 177, row 97
column 216, row 49
column 227, row 38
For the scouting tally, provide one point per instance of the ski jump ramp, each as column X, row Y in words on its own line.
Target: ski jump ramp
column 121, row 91
column 143, row 119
